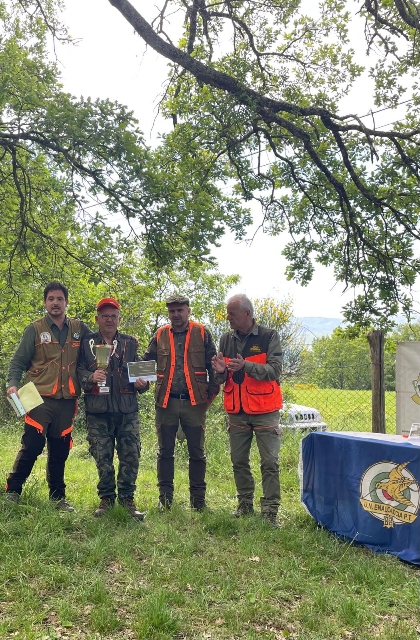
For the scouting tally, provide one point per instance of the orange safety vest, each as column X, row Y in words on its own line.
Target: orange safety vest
column 251, row 395
column 194, row 364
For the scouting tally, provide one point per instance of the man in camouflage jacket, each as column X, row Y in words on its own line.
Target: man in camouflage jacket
column 112, row 417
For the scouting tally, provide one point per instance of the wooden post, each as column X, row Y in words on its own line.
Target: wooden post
column 376, row 341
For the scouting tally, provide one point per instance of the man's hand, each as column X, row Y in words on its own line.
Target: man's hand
column 218, row 363
column 12, row 390
column 236, row 364
column 98, row 376
column 140, row 383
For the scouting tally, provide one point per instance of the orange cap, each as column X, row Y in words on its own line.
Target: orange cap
column 108, row 302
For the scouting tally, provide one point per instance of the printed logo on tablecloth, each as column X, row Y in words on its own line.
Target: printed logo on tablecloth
column 390, row 492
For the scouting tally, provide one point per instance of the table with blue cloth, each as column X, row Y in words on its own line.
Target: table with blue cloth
column 364, row 487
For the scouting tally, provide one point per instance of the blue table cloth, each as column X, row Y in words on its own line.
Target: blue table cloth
column 364, row 488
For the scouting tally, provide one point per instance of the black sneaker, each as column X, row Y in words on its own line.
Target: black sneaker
column 12, row 496
column 104, row 506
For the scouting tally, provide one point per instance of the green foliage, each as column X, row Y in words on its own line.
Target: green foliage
column 71, row 167
column 259, row 88
column 142, row 290
column 402, row 333
column 59, row 157
column 341, row 361
column 279, row 315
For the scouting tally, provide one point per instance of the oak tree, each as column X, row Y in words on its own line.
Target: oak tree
column 259, row 85
column 78, row 185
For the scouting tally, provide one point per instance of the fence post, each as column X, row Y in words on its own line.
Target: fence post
column 376, row 341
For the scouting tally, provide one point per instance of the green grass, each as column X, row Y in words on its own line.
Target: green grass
column 183, row 575
column 346, row 410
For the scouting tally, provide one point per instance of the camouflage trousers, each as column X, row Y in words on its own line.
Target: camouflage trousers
column 107, row 432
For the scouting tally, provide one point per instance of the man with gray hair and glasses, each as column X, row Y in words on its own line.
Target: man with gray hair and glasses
column 249, row 363
column 112, row 409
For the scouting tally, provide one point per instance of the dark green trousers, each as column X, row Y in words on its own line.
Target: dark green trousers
column 242, row 429
column 192, row 420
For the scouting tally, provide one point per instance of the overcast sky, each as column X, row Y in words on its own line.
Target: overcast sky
column 110, row 61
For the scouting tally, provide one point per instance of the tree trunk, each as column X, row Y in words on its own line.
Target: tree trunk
column 376, row 341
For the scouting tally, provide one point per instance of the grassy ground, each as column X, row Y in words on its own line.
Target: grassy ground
column 185, row 575
column 346, row 410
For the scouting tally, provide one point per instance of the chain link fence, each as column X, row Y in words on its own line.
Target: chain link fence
column 342, row 409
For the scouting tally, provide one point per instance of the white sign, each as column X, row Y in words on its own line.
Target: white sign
column 407, row 385
column 145, row 369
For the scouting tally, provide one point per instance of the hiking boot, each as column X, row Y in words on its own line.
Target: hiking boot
column 243, row 509
column 271, row 518
column 129, row 504
column 12, row 496
column 104, row 506
column 63, row 505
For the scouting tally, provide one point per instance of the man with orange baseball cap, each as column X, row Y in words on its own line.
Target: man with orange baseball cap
column 112, row 417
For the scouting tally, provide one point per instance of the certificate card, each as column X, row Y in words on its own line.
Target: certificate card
column 145, row 369
column 28, row 399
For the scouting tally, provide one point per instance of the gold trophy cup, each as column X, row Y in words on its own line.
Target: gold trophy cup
column 102, row 354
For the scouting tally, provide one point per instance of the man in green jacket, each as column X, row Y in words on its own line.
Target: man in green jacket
column 249, row 363
column 48, row 353
column 184, row 389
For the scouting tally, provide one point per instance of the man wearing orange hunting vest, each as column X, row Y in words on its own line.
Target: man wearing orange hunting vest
column 249, row 363
column 184, row 389
column 48, row 354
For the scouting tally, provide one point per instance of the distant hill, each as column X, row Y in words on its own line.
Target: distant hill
column 318, row 327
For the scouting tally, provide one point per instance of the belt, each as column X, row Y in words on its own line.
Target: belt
column 180, row 396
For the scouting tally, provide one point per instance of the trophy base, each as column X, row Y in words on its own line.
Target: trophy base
column 103, row 390
column 97, row 390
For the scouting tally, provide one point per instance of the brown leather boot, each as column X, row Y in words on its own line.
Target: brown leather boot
column 105, row 504
column 129, row 504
